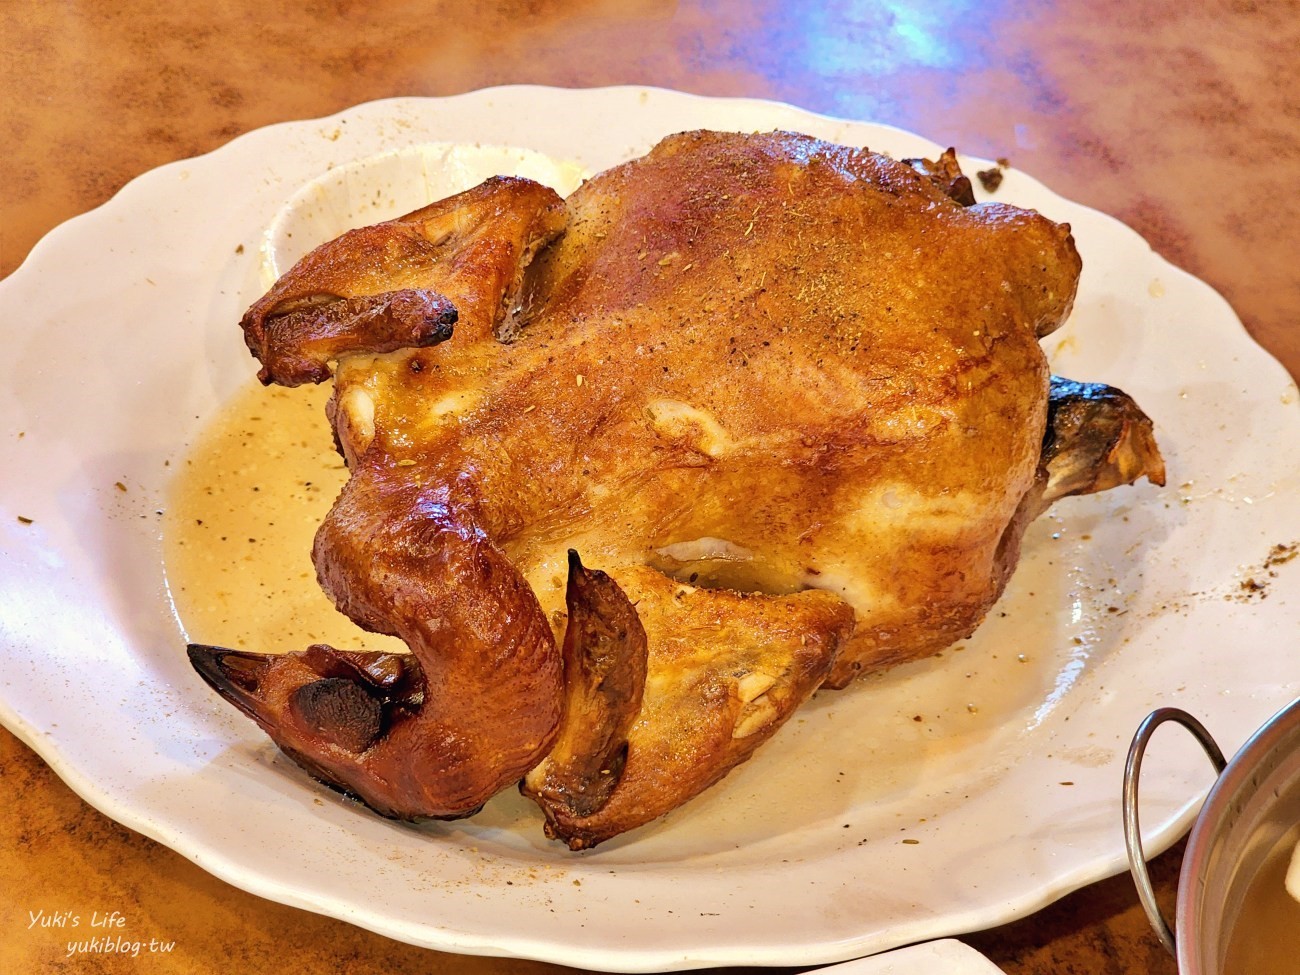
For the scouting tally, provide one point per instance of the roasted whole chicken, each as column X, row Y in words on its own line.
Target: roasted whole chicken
column 635, row 473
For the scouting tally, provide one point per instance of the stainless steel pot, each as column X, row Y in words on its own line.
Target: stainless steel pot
column 1254, row 803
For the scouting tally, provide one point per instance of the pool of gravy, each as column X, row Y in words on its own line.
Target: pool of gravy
column 242, row 512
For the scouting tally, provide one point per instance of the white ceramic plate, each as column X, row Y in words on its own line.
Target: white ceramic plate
column 856, row 830
column 945, row 957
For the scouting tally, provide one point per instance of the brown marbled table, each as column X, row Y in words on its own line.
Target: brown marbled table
column 1183, row 120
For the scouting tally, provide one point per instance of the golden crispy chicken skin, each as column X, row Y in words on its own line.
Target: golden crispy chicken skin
column 827, row 369
column 786, row 398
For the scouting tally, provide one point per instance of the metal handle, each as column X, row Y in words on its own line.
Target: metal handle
column 1137, row 863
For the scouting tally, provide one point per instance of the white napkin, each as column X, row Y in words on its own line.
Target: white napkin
column 947, row 957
